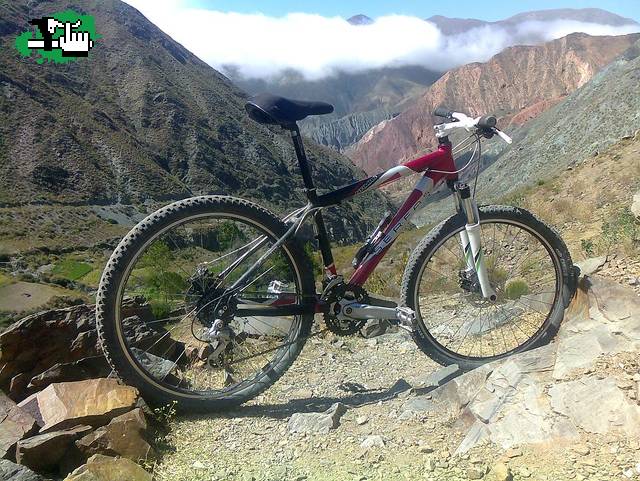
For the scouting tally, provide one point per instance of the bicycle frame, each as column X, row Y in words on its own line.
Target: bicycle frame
column 437, row 167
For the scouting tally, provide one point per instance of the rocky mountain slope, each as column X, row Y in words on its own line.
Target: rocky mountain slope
column 516, row 85
column 142, row 119
column 361, row 99
column 591, row 119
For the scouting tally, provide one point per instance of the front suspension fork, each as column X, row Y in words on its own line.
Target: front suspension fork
column 470, row 239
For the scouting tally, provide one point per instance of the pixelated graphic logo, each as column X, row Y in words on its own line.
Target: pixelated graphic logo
column 60, row 38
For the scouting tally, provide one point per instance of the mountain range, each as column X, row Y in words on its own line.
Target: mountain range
column 516, row 85
column 365, row 98
column 143, row 120
column 595, row 116
column 454, row 26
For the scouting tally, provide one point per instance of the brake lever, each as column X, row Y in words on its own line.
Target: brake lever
column 503, row 136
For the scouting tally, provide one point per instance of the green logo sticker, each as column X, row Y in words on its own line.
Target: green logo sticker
column 62, row 37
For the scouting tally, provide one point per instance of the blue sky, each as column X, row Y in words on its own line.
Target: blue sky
column 484, row 9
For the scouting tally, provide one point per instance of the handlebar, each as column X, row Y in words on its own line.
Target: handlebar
column 485, row 125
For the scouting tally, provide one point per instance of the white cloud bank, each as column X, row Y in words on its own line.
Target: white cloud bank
column 262, row 46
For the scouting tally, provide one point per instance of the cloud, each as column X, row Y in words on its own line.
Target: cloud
column 261, row 46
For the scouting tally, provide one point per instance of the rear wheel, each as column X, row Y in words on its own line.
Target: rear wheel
column 160, row 295
column 529, row 267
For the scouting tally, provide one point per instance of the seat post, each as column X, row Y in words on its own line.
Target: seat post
column 321, row 231
column 310, row 188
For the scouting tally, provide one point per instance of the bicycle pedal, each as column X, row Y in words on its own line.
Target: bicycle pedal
column 406, row 318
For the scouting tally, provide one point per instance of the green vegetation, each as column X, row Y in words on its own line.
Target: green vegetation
column 588, row 247
column 5, row 280
column 159, row 286
column 621, row 229
column 516, row 289
column 71, row 269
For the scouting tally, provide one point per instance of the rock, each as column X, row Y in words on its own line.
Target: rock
column 373, row 441
column 105, row 468
column 15, row 424
column 123, row 436
column 591, row 266
column 155, row 365
column 14, row 472
column 513, row 453
column 425, row 449
column 374, row 328
column 438, row 378
column 596, row 405
column 430, row 466
column 73, row 371
column 94, row 402
column 499, row 472
column 360, row 420
column 72, row 351
column 635, row 205
column 475, row 473
column 44, row 451
column 317, row 423
column 581, row 449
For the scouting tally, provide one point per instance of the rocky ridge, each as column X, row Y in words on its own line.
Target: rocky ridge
column 516, row 85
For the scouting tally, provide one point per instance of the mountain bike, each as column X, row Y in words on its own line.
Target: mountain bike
column 209, row 300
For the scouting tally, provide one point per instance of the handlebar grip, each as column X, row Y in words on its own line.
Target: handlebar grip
column 487, row 122
column 443, row 112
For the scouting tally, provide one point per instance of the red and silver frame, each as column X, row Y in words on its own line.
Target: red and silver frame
column 437, row 167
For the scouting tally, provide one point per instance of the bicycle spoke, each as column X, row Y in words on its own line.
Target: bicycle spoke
column 452, row 308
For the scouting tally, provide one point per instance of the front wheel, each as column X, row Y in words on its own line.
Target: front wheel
column 528, row 266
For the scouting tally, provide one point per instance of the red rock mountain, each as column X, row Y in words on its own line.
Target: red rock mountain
column 516, row 85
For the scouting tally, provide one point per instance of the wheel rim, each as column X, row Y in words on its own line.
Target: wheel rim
column 173, row 356
column 523, row 269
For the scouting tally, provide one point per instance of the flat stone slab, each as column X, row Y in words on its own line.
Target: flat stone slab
column 317, row 423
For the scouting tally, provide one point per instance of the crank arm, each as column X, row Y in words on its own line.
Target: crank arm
column 404, row 316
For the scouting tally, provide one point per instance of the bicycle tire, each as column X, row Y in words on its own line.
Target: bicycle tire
column 439, row 234
column 107, row 301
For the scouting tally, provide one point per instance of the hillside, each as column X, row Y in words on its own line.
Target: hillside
column 361, row 99
column 516, row 85
column 141, row 120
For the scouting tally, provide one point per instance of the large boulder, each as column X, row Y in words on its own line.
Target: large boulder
column 71, row 351
column 14, row 472
column 92, row 402
column 105, row 468
column 45, row 451
column 123, row 436
column 550, row 394
column 15, row 424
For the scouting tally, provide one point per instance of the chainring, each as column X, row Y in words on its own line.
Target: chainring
column 342, row 327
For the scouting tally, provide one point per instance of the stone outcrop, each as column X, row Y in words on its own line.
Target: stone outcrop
column 94, row 402
column 15, row 424
column 105, row 468
column 45, row 451
column 550, row 394
column 123, row 436
column 14, row 472
column 72, row 351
